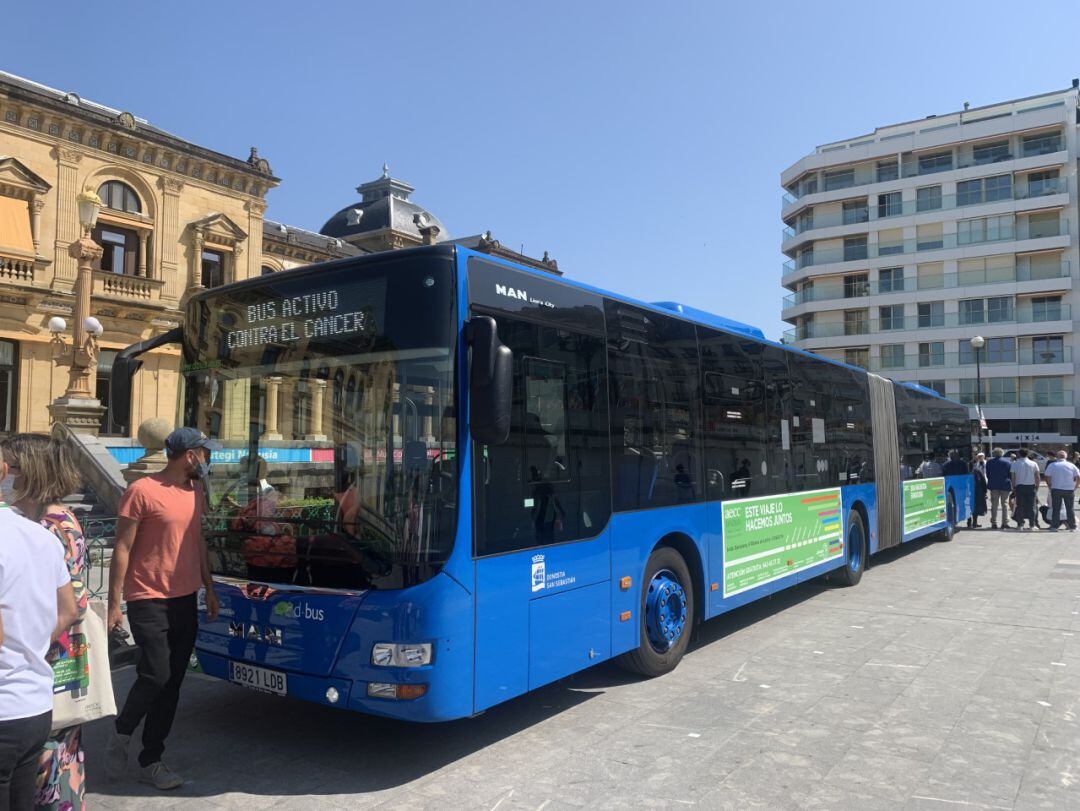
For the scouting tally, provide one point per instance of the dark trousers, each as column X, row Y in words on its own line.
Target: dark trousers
column 1057, row 498
column 165, row 631
column 21, row 742
column 1025, row 504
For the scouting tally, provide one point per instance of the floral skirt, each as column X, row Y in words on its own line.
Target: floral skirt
column 61, row 779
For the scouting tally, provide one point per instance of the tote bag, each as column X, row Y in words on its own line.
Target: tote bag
column 82, row 681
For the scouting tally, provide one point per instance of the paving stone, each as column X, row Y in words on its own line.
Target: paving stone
column 932, row 685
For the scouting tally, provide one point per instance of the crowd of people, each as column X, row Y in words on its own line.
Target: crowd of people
column 1012, row 484
column 159, row 563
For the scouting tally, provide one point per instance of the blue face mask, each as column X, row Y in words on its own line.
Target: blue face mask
column 7, row 489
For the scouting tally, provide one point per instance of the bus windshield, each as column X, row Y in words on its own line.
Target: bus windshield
column 332, row 398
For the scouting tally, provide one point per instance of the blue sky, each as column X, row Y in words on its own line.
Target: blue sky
column 640, row 143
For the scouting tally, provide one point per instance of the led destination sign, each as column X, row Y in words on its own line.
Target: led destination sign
column 327, row 314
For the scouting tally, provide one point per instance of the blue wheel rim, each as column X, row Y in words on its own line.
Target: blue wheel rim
column 855, row 547
column 665, row 611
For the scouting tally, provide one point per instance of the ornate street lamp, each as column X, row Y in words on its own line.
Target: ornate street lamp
column 78, row 407
column 977, row 343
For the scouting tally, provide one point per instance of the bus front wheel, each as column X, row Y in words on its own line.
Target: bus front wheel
column 666, row 615
column 856, row 551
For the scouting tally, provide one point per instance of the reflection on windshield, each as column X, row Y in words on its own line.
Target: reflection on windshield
column 334, row 471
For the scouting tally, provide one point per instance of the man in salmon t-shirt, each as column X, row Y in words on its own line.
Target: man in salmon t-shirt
column 158, row 564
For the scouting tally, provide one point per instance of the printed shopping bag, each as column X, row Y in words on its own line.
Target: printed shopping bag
column 82, row 681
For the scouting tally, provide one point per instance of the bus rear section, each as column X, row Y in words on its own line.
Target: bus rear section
column 332, row 502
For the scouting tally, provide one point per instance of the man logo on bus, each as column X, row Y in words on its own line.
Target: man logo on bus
column 538, row 575
column 511, row 292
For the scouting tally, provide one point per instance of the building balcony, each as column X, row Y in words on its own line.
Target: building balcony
column 929, row 362
column 1050, row 151
column 904, row 208
column 126, row 288
column 18, row 269
column 1008, row 233
column 1023, row 399
column 908, row 323
column 836, row 289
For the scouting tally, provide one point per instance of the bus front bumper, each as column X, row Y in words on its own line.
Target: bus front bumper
column 329, row 691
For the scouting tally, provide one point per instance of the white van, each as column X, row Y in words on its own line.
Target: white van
column 1033, row 455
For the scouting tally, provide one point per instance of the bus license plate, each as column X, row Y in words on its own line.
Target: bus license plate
column 258, row 678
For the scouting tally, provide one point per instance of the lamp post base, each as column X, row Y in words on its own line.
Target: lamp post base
column 83, row 416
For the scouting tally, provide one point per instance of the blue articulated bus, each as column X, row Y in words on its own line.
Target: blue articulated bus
column 446, row 479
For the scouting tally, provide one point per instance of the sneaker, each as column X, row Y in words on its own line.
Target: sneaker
column 160, row 776
column 993, row 525
column 116, row 755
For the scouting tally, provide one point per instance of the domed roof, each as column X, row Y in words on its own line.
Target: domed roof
column 384, row 204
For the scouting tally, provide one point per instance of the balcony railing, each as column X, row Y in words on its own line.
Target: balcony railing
column 906, row 323
column 838, row 290
column 902, row 208
column 865, row 176
column 1006, row 233
column 1030, row 399
column 16, row 269
column 954, row 360
column 116, row 285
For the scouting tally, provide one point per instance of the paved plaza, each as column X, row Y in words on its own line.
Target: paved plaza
column 948, row 679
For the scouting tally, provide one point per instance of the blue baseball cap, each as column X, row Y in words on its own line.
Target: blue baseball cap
column 187, row 439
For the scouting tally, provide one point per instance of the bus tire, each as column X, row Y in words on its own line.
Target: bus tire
column 666, row 615
column 855, row 552
column 949, row 532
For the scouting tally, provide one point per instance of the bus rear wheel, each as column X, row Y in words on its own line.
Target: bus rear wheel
column 949, row 532
column 666, row 615
column 856, row 552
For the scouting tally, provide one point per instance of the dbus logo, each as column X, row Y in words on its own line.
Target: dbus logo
column 301, row 611
column 538, row 572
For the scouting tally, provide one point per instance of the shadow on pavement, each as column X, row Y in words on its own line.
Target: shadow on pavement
column 227, row 739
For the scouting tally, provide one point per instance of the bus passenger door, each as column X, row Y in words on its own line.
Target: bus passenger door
column 543, row 557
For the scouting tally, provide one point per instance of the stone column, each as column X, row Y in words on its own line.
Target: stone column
column 317, row 396
column 197, row 243
column 256, row 210
column 271, row 430
column 142, row 253
column 168, row 241
column 429, row 403
column 68, row 229
column 36, row 205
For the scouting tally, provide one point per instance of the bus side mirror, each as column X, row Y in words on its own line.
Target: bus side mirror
column 491, row 373
column 124, row 367
column 120, row 379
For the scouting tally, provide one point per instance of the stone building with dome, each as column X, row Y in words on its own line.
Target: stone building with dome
column 176, row 218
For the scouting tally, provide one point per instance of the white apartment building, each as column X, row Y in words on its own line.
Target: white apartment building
column 906, row 243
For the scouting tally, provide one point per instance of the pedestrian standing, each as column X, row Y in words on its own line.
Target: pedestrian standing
column 1025, row 478
column 37, row 605
column 998, row 481
column 41, row 474
column 158, row 564
column 1061, row 477
column 978, row 506
column 930, row 468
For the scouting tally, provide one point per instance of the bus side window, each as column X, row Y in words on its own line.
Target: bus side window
column 656, row 419
column 549, row 482
column 734, row 418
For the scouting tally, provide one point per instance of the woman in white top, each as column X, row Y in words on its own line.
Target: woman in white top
column 37, row 604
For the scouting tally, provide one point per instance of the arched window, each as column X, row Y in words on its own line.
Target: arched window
column 119, row 197
column 267, row 270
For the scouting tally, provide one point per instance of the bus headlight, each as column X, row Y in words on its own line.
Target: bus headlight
column 390, row 654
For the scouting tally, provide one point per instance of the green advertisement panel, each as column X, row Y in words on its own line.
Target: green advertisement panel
column 924, row 503
column 768, row 537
